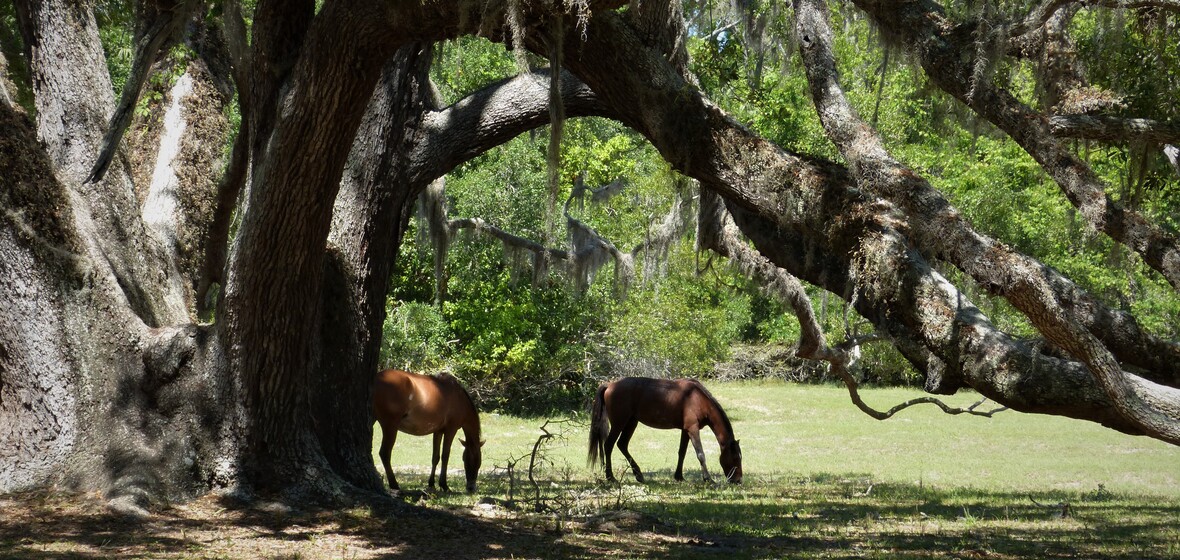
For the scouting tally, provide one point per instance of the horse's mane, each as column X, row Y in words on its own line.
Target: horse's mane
column 449, row 379
column 712, row 399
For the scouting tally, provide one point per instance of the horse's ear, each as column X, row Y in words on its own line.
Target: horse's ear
column 482, row 441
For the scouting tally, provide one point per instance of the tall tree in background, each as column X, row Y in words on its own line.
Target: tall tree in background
column 108, row 379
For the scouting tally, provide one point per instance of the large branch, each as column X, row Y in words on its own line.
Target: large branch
column 1114, row 129
column 808, row 217
column 1155, row 408
column 717, row 231
column 491, row 116
column 948, row 55
column 1042, row 13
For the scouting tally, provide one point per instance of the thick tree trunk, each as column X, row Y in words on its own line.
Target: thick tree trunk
column 113, row 385
column 92, row 398
column 369, row 219
column 273, row 297
column 38, row 258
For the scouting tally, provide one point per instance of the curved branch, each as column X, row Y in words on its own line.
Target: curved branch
column 719, row 233
column 490, row 117
column 1038, row 16
column 941, row 46
column 1150, row 406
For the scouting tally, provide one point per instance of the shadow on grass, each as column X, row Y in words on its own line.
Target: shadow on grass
column 845, row 515
column 820, row 515
column 40, row 526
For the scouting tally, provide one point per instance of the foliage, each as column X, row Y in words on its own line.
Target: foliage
column 682, row 317
column 116, row 27
column 679, row 326
column 468, row 64
column 414, row 338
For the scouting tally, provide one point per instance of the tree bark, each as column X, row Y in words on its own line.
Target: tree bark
column 371, row 213
column 135, row 401
column 274, row 288
column 1114, row 129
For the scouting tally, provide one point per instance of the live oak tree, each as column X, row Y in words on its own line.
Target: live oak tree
column 116, row 373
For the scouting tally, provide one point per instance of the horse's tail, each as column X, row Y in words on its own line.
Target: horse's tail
column 599, row 428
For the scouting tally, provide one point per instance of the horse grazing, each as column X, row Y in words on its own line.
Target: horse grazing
column 419, row 405
column 663, row 404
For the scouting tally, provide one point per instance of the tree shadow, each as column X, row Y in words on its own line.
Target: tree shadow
column 819, row 515
column 845, row 515
column 44, row 526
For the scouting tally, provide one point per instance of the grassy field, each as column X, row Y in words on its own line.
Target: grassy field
column 824, row 480
column 801, row 431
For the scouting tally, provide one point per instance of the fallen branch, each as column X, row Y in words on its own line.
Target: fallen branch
column 1063, row 508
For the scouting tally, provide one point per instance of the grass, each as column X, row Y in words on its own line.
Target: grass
column 821, row 481
column 803, row 431
column 824, row 480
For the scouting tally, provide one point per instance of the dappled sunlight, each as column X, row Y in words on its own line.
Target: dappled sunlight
column 817, row 485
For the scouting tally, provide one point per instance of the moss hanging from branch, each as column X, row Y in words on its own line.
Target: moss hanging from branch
column 588, row 250
column 556, row 125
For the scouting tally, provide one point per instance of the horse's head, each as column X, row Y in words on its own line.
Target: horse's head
column 472, row 457
column 731, row 461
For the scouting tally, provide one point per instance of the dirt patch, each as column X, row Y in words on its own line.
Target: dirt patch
column 49, row 525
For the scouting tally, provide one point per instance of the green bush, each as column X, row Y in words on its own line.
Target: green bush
column 415, row 337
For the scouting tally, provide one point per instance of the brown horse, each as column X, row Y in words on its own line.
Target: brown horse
column 419, row 405
column 664, row 404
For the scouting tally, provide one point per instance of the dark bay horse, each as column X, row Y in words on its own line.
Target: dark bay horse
column 419, row 405
column 682, row 404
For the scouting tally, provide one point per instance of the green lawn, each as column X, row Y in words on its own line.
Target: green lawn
column 802, row 431
column 823, row 480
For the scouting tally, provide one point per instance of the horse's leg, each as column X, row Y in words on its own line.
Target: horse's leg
column 624, row 441
column 680, row 457
column 434, row 457
column 446, row 454
column 615, row 429
column 695, row 435
column 388, row 437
